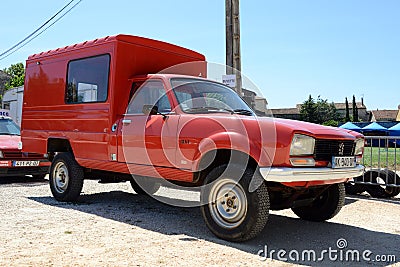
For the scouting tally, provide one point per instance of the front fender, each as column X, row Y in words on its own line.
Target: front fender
column 232, row 141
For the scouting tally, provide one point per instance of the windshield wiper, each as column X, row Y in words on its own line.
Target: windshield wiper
column 208, row 109
column 215, row 109
column 243, row 112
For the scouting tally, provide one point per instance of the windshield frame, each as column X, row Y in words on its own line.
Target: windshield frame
column 244, row 105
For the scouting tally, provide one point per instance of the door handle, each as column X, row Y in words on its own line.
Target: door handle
column 126, row 121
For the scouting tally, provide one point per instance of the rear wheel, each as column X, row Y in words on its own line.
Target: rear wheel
column 66, row 177
column 325, row 206
column 230, row 211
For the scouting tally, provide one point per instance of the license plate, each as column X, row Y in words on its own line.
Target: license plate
column 30, row 163
column 343, row 162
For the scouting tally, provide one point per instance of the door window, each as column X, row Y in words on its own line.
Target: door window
column 152, row 94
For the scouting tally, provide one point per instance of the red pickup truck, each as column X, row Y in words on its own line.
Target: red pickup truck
column 100, row 111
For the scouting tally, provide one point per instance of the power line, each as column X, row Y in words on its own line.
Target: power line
column 38, row 29
column 29, row 38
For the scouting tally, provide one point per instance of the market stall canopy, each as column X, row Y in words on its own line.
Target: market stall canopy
column 351, row 126
column 395, row 130
column 375, row 127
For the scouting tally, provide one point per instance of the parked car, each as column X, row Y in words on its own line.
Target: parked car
column 14, row 162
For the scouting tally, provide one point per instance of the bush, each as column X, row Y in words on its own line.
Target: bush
column 331, row 123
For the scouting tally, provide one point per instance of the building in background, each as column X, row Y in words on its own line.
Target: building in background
column 398, row 114
column 363, row 113
column 287, row 113
column 12, row 101
column 384, row 115
column 257, row 103
column 260, row 105
column 294, row 113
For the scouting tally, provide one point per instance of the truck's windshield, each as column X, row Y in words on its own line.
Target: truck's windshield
column 8, row 127
column 200, row 96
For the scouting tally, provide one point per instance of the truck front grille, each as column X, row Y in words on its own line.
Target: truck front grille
column 325, row 149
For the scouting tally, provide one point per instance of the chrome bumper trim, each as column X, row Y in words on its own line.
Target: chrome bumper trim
column 283, row 174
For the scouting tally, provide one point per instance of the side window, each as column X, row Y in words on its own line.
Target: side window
column 152, row 93
column 87, row 80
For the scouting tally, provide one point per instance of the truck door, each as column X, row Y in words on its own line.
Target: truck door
column 148, row 132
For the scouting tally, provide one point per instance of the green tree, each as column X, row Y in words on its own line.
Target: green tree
column 333, row 123
column 355, row 110
column 347, row 118
column 308, row 110
column 17, row 73
column 319, row 111
column 326, row 111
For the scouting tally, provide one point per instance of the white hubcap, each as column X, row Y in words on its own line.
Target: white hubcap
column 60, row 177
column 227, row 203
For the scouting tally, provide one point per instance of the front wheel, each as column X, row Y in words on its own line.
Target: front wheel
column 229, row 209
column 66, row 178
column 325, row 206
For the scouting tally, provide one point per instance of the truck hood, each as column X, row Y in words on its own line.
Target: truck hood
column 315, row 130
column 9, row 141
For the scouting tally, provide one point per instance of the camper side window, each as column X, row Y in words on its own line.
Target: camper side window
column 87, row 80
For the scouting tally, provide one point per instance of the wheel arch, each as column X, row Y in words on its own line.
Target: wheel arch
column 56, row 144
column 218, row 157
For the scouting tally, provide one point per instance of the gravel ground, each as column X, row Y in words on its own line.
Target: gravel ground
column 113, row 226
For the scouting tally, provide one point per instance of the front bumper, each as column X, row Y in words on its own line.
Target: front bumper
column 7, row 169
column 288, row 175
column 11, row 172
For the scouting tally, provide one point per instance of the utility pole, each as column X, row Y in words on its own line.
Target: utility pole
column 233, row 60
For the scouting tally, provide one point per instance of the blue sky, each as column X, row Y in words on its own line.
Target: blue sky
column 290, row 48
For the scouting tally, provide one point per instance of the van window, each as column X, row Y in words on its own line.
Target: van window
column 87, row 80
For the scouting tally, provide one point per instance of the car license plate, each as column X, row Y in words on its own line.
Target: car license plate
column 30, row 163
column 343, row 162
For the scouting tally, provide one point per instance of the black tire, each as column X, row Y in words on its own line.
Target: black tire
column 382, row 191
column 145, row 186
column 354, row 189
column 66, row 178
column 239, row 215
column 325, row 206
